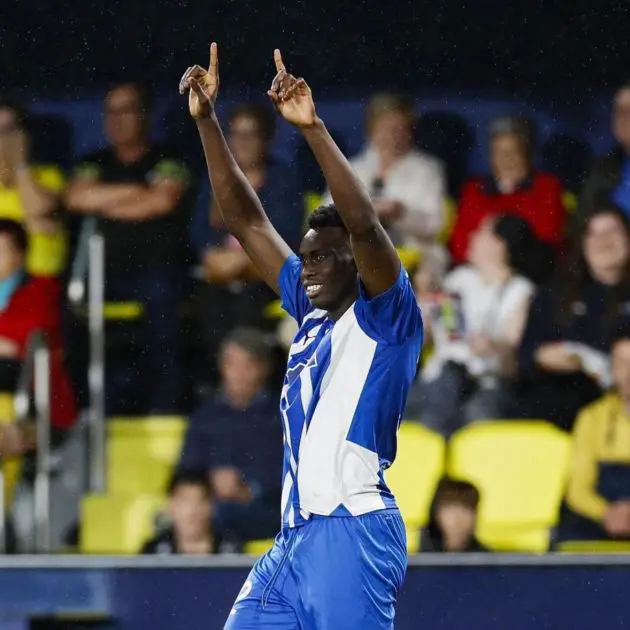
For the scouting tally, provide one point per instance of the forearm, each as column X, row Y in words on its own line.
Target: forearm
column 237, row 200
column 348, row 193
column 144, row 206
column 92, row 197
column 38, row 203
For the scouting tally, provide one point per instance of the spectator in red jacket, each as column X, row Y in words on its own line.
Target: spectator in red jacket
column 512, row 186
column 28, row 304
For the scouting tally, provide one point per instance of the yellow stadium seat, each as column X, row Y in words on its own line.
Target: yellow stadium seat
column 258, row 547
column 520, row 469
column 450, row 213
column 141, row 454
column 414, row 476
column 594, row 546
column 11, row 466
column 118, row 524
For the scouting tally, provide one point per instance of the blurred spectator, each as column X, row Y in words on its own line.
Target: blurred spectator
column 408, row 187
column 563, row 357
column 236, row 436
column 598, row 493
column 232, row 295
column 453, row 519
column 29, row 194
column 512, row 186
column 476, row 325
column 29, row 304
column 190, row 509
column 610, row 176
column 136, row 190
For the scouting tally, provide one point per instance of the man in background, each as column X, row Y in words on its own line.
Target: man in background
column 136, row 190
column 236, row 436
column 598, row 494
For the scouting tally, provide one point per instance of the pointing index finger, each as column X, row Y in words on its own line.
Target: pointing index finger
column 214, row 59
column 277, row 57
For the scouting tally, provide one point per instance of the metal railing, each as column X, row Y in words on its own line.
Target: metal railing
column 88, row 277
column 35, row 370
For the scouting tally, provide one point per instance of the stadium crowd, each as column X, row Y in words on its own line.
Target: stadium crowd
column 524, row 285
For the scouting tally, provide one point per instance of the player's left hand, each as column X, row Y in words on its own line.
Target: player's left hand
column 292, row 97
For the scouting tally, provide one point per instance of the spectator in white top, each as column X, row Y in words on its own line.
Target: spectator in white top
column 476, row 324
column 406, row 185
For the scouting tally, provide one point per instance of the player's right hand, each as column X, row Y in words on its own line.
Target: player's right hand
column 202, row 86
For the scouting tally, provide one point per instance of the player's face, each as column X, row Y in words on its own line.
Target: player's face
column 124, row 119
column 329, row 274
column 191, row 510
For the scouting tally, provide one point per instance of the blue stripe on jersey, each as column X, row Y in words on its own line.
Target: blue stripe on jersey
column 343, row 397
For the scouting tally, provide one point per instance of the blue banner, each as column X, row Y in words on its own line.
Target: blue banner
column 436, row 596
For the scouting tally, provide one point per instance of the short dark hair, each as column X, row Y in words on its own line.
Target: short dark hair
column 184, row 477
column 17, row 233
column 326, row 216
column 16, row 108
column 253, row 341
column 263, row 115
column 456, row 491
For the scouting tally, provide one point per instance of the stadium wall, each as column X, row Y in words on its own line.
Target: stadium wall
column 445, row 593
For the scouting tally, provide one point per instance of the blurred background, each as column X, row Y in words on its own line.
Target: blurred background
column 141, row 357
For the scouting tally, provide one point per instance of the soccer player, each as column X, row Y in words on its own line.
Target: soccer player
column 340, row 558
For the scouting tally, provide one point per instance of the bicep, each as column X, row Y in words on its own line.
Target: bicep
column 267, row 250
column 377, row 262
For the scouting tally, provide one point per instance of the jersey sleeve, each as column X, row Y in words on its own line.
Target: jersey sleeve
column 294, row 299
column 392, row 317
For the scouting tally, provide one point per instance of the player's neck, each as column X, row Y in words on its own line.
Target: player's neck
column 345, row 305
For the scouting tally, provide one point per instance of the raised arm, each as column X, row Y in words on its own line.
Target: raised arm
column 240, row 207
column 376, row 258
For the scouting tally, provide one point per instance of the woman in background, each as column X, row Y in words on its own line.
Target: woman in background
column 513, row 185
column 563, row 359
column 475, row 324
column 407, row 186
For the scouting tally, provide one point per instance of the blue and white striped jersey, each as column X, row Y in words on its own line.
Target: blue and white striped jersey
column 343, row 397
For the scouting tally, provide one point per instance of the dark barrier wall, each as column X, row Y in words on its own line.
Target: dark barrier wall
column 442, row 594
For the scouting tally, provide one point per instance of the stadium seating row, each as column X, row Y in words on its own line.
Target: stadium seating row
column 519, row 467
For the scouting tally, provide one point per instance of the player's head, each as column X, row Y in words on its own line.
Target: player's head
column 127, row 112
column 191, row 499
column 329, row 273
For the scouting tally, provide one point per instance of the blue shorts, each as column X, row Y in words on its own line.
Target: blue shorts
column 334, row 573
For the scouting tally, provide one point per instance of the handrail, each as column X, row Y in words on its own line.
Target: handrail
column 96, row 369
column 80, row 264
column 36, row 369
